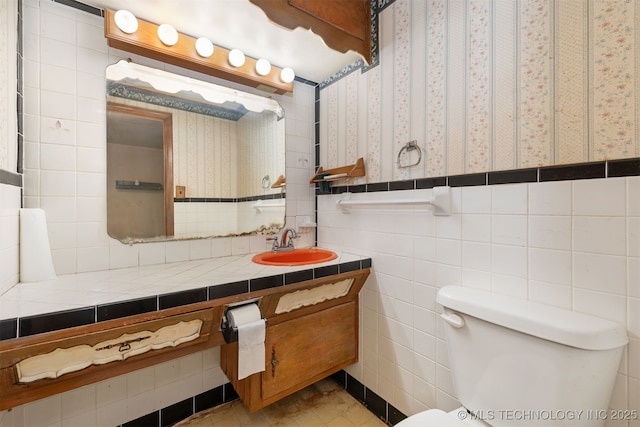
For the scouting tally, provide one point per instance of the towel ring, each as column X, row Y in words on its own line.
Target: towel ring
column 266, row 182
column 410, row 146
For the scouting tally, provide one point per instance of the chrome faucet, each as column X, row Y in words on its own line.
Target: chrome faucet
column 286, row 241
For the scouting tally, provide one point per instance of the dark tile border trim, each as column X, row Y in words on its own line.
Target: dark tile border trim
column 8, row 329
column 10, row 178
column 626, row 167
column 117, row 310
column 48, row 322
column 32, row 325
column 592, row 170
column 571, row 172
column 225, row 393
column 230, row 200
column 20, row 92
column 81, row 6
column 374, row 403
column 180, row 411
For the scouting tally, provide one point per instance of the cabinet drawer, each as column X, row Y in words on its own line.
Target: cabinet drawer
column 303, row 348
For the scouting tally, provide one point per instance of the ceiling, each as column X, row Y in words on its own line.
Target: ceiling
column 242, row 25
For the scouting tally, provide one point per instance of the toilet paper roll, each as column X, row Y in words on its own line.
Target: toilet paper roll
column 251, row 335
column 244, row 314
column 36, row 263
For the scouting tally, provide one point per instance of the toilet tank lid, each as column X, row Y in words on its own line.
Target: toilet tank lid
column 543, row 321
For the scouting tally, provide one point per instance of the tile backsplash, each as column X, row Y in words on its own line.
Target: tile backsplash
column 573, row 244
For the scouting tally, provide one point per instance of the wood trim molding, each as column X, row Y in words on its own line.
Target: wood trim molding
column 145, row 42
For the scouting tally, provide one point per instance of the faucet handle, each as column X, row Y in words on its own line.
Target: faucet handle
column 275, row 244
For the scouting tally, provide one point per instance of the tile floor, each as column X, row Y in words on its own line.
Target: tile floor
column 324, row 403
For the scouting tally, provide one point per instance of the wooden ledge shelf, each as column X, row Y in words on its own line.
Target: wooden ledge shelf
column 343, row 172
column 280, row 182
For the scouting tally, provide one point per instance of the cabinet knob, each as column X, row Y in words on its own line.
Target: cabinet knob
column 274, row 361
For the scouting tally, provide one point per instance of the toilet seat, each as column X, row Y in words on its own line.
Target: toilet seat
column 439, row 418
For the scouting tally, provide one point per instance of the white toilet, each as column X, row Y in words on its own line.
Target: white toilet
column 520, row 363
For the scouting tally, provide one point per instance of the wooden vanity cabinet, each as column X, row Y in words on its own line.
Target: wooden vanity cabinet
column 305, row 350
column 302, row 347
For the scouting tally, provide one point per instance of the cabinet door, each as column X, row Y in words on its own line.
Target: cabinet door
column 304, row 350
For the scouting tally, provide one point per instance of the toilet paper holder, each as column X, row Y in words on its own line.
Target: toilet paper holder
column 229, row 332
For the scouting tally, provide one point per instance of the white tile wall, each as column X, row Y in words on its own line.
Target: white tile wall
column 569, row 244
column 66, row 55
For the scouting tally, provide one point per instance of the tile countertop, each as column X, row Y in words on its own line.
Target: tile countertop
column 91, row 290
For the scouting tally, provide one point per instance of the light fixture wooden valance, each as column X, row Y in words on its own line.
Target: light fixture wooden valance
column 145, row 42
column 343, row 25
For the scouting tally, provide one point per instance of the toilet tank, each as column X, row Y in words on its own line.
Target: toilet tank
column 516, row 362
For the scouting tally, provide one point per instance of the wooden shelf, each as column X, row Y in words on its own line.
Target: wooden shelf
column 343, row 172
column 280, row 182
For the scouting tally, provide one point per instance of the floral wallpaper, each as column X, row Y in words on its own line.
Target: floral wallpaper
column 487, row 85
column 434, row 139
column 615, row 95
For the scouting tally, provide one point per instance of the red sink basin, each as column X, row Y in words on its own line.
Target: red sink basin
column 295, row 257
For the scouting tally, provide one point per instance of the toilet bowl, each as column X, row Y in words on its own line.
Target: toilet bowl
column 520, row 363
column 437, row 418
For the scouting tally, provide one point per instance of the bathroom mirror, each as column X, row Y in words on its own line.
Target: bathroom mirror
column 190, row 159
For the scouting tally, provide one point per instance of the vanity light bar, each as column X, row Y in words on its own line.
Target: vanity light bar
column 184, row 53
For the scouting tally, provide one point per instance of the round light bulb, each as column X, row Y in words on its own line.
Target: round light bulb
column 126, row 21
column 263, row 67
column 236, row 58
column 287, row 75
column 204, row 47
column 168, row 35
